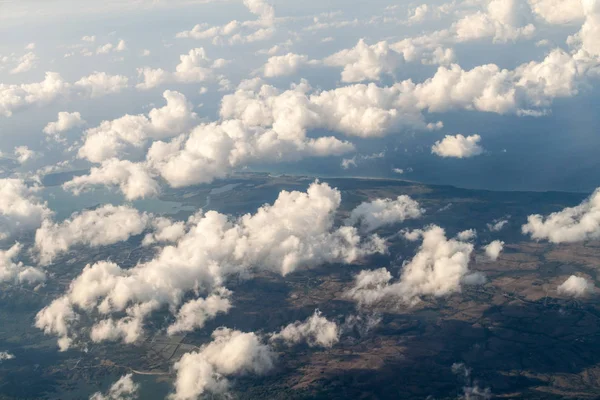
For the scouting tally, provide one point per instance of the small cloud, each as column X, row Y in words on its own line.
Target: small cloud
column 458, row 146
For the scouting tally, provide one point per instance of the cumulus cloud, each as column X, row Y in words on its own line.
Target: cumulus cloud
column 381, row 212
column 458, row 146
column 467, row 235
column 213, row 150
column 494, row 249
column 16, row 271
column 111, row 138
column 56, row 319
column 316, row 331
column 20, row 209
column 123, row 389
column 66, row 121
column 364, row 62
column 99, row 227
column 17, row 97
column 100, row 84
column 5, row 355
column 193, row 67
column 209, row 151
column 503, row 20
column 238, row 32
column 214, row 247
column 558, row 11
column 112, row 48
column 24, row 154
column 371, row 110
column 194, row 314
column 358, row 110
column 438, row 269
column 419, row 13
column 575, row 286
column 134, row 180
column 25, row 63
column 165, row 231
column 572, row 224
column 285, row 65
column 230, row 353
column 585, row 41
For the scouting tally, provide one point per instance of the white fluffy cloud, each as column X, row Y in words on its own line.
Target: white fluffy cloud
column 5, row 355
column 576, row 286
column 194, row 314
column 237, row 32
column 503, row 20
column 572, row 224
column 99, row 227
column 586, row 40
column 134, row 180
column 467, row 235
column 214, row 247
column 123, row 389
column 371, row 110
column 20, row 209
column 17, row 271
column 65, row 122
column 364, row 62
column 287, row 64
column 111, row 138
column 25, row 63
column 494, row 249
column 458, row 146
column 213, row 150
column 24, row 154
column 193, row 67
column 16, row 97
column 230, row 353
column 438, row 269
column 100, row 84
column 358, row 110
column 380, row 212
column 558, row 11
column 316, row 331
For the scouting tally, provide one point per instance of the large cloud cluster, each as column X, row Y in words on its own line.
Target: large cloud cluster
column 438, row 269
column 277, row 238
column 356, row 110
column 111, row 138
column 209, row 151
column 572, row 224
column 16, row 97
column 230, row 353
column 99, row 227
